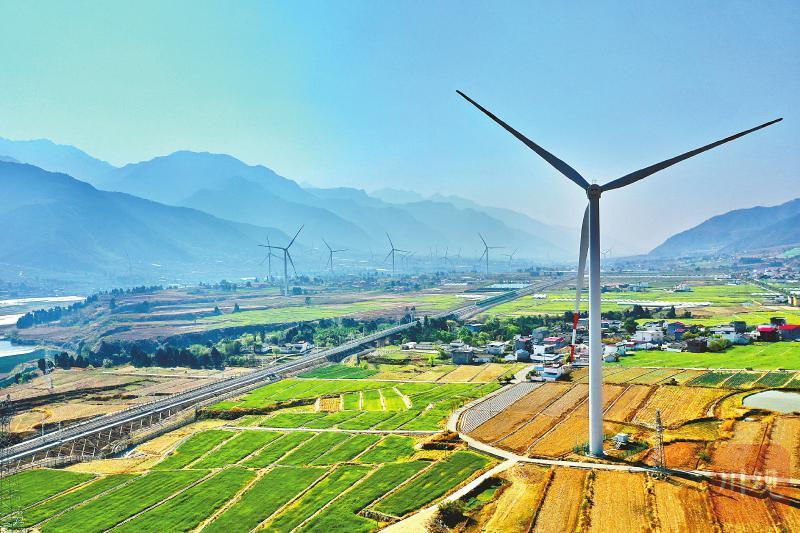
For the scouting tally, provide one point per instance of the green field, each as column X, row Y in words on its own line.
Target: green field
column 194, row 447
column 348, row 450
column 710, row 379
column 391, row 448
column 313, row 448
column 36, row 485
column 759, row 355
column 103, row 513
column 236, row 449
column 433, row 483
column 339, row 372
column 262, row 500
column 190, row 508
column 277, row 449
column 372, row 400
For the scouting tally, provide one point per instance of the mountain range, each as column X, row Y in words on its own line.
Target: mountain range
column 738, row 231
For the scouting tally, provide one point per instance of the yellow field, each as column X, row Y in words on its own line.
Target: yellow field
column 492, row 371
column 519, row 412
column 678, row 404
column 561, row 505
column 687, row 375
column 739, row 512
column 520, row 440
column 741, row 452
column 680, row 505
column 628, row 403
column 567, row 402
column 782, row 456
column 619, row 502
column 330, row 404
column 461, row 373
column 629, row 374
column 515, row 508
column 655, row 376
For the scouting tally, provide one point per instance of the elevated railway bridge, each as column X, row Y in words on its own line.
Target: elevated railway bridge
column 112, row 433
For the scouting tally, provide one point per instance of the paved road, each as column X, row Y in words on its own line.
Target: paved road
column 231, row 385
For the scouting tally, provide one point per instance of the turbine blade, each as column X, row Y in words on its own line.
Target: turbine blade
column 482, row 239
column 388, row 255
column 289, row 256
column 262, row 261
column 326, row 244
column 295, row 236
column 390, row 241
column 652, row 169
column 583, row 251
column 555, row 162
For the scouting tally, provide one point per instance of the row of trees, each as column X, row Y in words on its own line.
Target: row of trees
column 43, row 316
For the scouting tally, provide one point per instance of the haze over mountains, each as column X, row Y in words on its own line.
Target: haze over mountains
column 207, row 212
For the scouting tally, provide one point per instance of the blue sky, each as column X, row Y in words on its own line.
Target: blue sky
column 363, row 94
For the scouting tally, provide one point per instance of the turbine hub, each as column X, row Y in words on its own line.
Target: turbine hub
column 593, row 191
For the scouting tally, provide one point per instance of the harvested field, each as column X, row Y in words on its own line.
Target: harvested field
column 492, row 371
column 788, row 515
column 520, row 440
column 488, row 408
column 626, row 375
column 782, row 456
column 567, row 402
column 461, row 373
column 679, row 454
column 680, row 505
column 678, row 404
column 628, row 403
column 435, row 373
column 519, row 412
column 559, row 510
column 687, row 375
column 517, row 504
column 655, row 376
column 741, row 452
column 330, row 405
column 737, row 512
column 619, row 502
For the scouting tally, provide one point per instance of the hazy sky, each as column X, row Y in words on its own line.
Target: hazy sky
column 363, row 94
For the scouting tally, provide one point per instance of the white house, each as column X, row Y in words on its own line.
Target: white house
column 495, row 348
column 542, row 349
column 649, row 335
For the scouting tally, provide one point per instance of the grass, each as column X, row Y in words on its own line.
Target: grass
column 341, row 514
column 391, row 448
column 320, row 494
column 190, row 508
column 65, row 501
column 103, row 513
column 759, row 355
column 348, row 450
column 262, row 499
column 313, row 448
column 277, row 449
column 33, row 486
column 339, row 371
column 433, row 483
column 237, row 449
column 192, row 448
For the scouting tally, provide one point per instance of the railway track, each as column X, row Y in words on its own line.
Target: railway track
column 93, row 431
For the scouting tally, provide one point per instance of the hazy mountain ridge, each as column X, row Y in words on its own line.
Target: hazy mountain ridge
column 57, row 224
column 738, row 231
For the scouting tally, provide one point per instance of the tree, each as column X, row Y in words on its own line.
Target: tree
column 671, row 312
column 42, row 364
column 236, row 307
column 630, row 326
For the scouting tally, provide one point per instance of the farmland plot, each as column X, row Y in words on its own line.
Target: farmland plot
column 433, row 483
column 774, row 379
column 194, row 447
column 316, row 497
column 236, row 449
column 736, row 511
column 393, row 400
column 262, row 500
column 519, row 412
column 341, row 515
column 462, row 373
column 561, row 505
column 348, row 450
column 619, row 502
column 187, row 510
column 681, row 506
column 628, row 403
column 518, row 503
column 399, row 419
column 372, row 401
column 782, row 455
column 567, row 402
column 711, row 379
column 291, row 420
column 36, row 485
column 742, row 380
column 741, row 452
column 687, row 375
column 678, row 404
column 313, row 448
column 351, row 401
column 366, row 420
column 629, row 374
column 658, row 375
column 54, row 506
column 277, row 449
column 132, row 498
column 330, row 405
column 391, row 448
column 521, row 439
column 331, row 419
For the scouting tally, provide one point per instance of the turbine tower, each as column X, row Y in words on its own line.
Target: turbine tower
column 590, row 241
column 331, row 251
column 268, row 258
column 286, row 256
column 392, row 251
column 486, row 249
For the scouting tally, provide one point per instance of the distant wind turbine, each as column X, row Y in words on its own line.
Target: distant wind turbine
column 286, row 256
column 590, row 241
column 268, row 258
column 486, row 249
column 331, row 251
column 392, row 252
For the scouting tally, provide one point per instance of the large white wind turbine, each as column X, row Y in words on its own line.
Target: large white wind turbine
column 392, row 251
column 286, row 255
column 486, row 249
column 590, row 241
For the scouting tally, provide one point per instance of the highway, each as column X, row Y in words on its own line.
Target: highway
column 230, row 385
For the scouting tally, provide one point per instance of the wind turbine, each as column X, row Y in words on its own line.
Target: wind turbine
column 268, row 258
column 511, row 257
column 392, row 251
column 286, row 255
column 331, row 251
column 590, row 241
column 486, row 249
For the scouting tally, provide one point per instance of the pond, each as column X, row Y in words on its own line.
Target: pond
column 780, row 401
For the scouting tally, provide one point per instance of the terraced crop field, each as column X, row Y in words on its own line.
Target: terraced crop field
column 678, row 404
column 325, row 479
column 774, row 379
column 711, row 379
